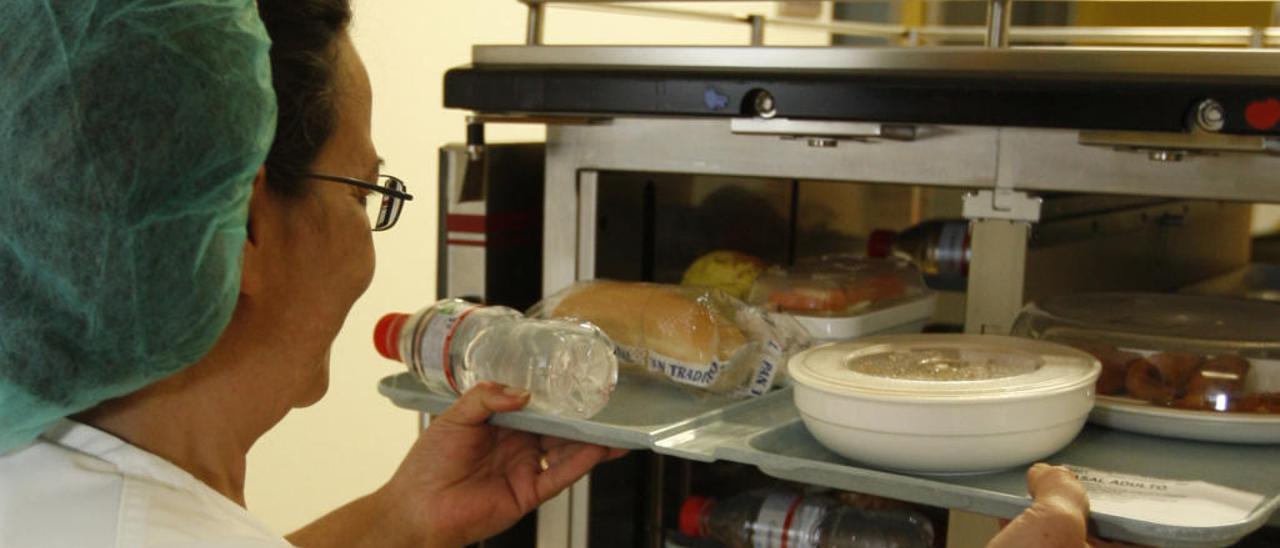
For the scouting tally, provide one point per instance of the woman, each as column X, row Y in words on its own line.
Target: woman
column 169, row 377
column 165, row 464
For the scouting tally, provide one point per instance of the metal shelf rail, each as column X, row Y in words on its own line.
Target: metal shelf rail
column 997, row 33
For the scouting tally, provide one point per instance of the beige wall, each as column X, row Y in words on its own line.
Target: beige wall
column 349, row 443
column 1266, row 218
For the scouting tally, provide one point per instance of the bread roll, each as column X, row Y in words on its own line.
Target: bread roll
column 655, row 317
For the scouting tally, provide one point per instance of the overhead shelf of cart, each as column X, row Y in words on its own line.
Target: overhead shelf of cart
column 1131, row 89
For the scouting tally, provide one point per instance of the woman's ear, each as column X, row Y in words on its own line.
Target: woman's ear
column 253, row 264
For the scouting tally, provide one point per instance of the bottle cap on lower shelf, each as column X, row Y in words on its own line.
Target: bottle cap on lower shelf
column 691, row 515
column 386, row 335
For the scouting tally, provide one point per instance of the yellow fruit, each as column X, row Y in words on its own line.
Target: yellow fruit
column 729, row 271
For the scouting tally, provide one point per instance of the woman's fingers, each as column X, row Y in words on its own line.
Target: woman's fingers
column 551, row 443
column 481, row 402
column 565, row 465
column 1057, row 486
column 1056, row 518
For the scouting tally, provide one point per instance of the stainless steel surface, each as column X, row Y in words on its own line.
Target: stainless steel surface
column 952, row 156
column 494, row 118
column 580, row 513
column 555, row 521
column 463, row 252
column 997, row 275
column 999, row 17
column 786, row 127
column 1077, row 61
column 1166, row 155
column 1053, row 160
column 588, row 202
column 1196, row 141
column 1002, row 203
column 764, row 104
column 708, row 146
column 1210, row 116
column 657, row 471
column 757, row 29
column 535, row 24
column 914, row 35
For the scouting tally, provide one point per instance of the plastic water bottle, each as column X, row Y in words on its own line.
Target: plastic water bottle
column 775, row 519
column 939, row 247
column 569, row 367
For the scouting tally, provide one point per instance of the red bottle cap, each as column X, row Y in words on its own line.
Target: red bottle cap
column 691, row 515
column 880, row 243
column 386, row 335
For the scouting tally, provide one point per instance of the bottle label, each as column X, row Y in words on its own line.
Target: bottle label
column 435, row 338
column 786, row 521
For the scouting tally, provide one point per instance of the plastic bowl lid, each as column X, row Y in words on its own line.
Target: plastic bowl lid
column 1154, row 320
column 944, row 367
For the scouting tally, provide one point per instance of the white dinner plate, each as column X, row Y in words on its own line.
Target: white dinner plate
column 1135, row 415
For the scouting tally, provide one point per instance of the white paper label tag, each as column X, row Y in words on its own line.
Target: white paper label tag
column 763, row 379
column 770, row 361
column 695, row 374
column 1164, row 501
column 700, row 375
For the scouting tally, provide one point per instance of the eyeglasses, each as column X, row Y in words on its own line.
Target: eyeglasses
column 387, row 211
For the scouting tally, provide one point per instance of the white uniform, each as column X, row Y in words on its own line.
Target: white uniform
column 79, row 487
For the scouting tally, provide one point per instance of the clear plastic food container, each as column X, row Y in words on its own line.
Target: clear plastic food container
column 1167, row 359
column 842, row 297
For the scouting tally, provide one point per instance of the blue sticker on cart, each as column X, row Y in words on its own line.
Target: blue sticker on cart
column 714, row 99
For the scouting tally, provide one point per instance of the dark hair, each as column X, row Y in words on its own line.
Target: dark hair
column 303, row 59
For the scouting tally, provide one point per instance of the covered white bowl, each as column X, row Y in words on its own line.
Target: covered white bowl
column 944, row 404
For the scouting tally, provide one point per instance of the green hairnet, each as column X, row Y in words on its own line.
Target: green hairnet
column 130, row 133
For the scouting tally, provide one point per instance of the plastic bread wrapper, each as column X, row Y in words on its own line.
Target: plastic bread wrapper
column 696, row 337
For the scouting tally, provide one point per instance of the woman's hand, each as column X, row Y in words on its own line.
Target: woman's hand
column 465, row 480
column 1057, row 516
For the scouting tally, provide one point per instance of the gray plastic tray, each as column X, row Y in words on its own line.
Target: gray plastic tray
column 767, row 432
column 637, row 417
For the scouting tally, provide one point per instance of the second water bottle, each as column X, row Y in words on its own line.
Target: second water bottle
column 569, row 367
column 768, row 519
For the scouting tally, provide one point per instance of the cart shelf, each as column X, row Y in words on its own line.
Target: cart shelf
column 767, row 432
